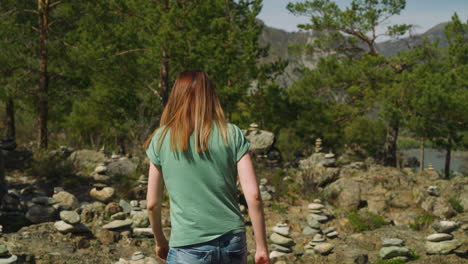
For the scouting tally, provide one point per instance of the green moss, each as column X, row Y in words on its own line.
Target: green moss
column 364, row 220
column 422, row 221
column 280, row 208
column 456, row 205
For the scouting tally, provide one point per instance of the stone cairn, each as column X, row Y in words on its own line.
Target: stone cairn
column 314, row 221
column 282, row 241
column 393, row 249
column 266, row 190
column 442, row 242
column 5, row 256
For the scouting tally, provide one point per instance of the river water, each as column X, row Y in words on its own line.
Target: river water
column 459, row 160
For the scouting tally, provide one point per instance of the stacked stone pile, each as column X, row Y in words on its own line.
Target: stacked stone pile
column 102, row 193
column 5, row 256
column 282, row 241
column 266, row 190
column 315, row 220
column 393, row 248
column 442, row 242
column 41, row 209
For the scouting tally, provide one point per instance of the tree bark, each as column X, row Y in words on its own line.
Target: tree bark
column 10, row 118
column 421, row 166
column 164, row 77
column 447, row 159
column 389, row 156
column 42, row 95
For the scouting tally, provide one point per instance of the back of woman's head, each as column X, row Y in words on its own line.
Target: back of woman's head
column 193, row 107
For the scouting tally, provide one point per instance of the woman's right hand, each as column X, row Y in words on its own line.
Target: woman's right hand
column 261, row 257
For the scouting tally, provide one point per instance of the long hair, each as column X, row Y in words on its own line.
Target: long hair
column 193, row 107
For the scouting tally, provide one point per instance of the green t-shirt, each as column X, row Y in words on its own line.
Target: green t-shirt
column 202, row 186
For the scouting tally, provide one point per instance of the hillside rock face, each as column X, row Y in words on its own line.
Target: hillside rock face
column 260, row 140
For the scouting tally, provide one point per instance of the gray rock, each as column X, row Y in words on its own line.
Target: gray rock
column 445, row 226
column 41, row 213
column 147, row 231
column 393, row 251
column 266, row 196
column 433, row 190
column 142, row 204
column 3, row 250
column 260, row 140
column 280, row 248
column 64, row 227
column 87, row 159
column 439, row 237
column 282, row 240
column 66, row 199
column 442, row 247
column 70, row 217
column 140, row 219
column 329, row 230
column 332, row 234
column 323, row 248
column 119, row 216
column 282, row 230
column 137, row 255
column 387, row 242
column 104, row 195
column 101, row 178
column 313, row 222
column 118, row 224
column 319, row 218
column 122, row 166
column 11, row 202
column 126, row 207
column 276, row 254
column 44, row 200
column 315, row 206
column 12, row 259
column 100, row 169
column 308, row 231
column 318, row 238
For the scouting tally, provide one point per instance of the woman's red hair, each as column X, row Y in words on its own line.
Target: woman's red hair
column 193, row 107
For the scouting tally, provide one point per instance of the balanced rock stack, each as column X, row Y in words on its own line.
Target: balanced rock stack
column 42, row 210
column 5, row 256
column 318, row 245
column 101, row 192
column 99, row 173
column 282, row 241
column 70, row 223
column 138, row 219
column 442, row 242
column 393, row 248
column 266, row 190
column 316, row 218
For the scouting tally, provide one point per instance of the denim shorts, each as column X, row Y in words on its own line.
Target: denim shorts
column 227, row 249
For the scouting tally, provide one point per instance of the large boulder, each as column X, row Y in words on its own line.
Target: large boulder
column 41, row 213
column 122, row 166
column 66, row 200
column 87, row 159
column 346, row 191
column 260, row 140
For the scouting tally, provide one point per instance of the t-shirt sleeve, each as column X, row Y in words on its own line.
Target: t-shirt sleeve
column 153, row 156
column 242, row 144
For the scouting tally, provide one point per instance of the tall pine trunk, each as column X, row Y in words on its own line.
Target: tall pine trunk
column 389, row 153
column 421, row 165
column 42, row 95
column 10, row 118
column 448, row 157
column 164, row 77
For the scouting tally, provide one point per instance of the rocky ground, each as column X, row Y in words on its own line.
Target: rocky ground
column 319, row 212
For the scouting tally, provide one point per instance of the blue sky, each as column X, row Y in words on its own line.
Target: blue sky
column 423, row 13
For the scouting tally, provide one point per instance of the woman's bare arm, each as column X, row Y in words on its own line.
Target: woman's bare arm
column 154, row 200
column 249, row 185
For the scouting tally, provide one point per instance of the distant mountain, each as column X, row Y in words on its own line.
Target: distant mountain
column 279, row 41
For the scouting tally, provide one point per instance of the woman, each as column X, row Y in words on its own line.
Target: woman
column 198, row 156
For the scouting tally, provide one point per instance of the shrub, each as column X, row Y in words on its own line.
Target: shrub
column 456, row 205
column 422, row 221
column 365, row 220
column 49, row 167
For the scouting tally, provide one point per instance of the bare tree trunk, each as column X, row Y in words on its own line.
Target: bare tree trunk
column 447, row 159
column 389, row 153
column 10, row 118
column 42, row 96
column 164, row 77
column 421, row 166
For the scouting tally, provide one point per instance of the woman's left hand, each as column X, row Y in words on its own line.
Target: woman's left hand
column 162, row 250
